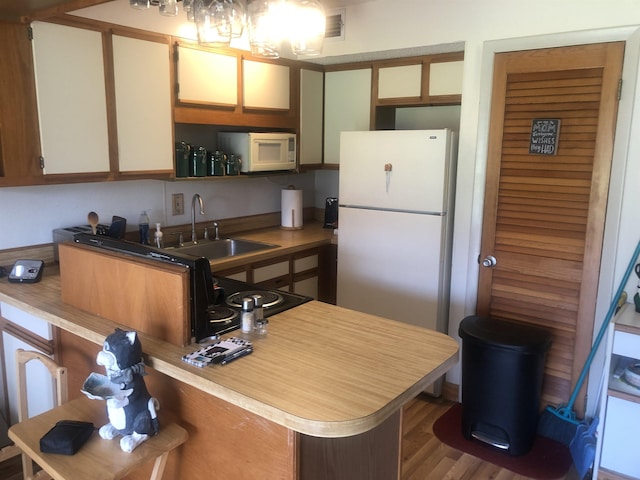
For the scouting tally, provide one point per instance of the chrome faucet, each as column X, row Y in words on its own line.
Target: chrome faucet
column 194, row 238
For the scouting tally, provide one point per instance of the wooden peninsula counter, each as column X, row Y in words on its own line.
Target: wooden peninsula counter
column 320, row 397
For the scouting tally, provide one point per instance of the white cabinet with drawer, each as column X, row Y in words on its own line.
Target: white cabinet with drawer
column 620, row 414
column 23, row 330
column 305, row 275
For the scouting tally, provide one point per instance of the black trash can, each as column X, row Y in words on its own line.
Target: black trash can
column 502, row 371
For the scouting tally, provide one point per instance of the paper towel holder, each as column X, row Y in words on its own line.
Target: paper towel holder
column 291, row 209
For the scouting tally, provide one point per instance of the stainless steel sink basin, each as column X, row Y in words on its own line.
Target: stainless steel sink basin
column 226, row 247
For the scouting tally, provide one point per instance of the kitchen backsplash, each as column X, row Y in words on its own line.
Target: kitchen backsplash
column 29, row 214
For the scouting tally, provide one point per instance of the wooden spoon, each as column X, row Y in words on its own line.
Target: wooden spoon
column 93, row 221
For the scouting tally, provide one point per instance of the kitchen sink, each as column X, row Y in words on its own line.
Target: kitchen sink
column 226, row 247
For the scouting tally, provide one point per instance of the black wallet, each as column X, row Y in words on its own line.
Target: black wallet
column 66, row 437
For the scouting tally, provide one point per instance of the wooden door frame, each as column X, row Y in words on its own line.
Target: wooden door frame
column 609, row 271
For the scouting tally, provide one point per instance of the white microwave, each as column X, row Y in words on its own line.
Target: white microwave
column 260, row 151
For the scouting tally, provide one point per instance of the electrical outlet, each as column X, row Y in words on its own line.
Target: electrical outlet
column 177, row 202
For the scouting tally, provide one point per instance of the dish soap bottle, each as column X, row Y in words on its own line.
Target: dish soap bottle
column 143, row 227
column 158, row 236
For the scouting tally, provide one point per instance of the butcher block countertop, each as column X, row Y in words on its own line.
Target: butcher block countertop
column 322, row 370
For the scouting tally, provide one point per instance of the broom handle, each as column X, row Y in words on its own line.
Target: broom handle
column 603, row 329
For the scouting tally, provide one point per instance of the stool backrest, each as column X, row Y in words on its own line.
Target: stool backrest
column 58, row 373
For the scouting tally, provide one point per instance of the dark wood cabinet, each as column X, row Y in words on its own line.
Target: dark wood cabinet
column 19, row 130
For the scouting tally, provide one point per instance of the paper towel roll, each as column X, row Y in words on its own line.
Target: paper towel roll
column 291, row 209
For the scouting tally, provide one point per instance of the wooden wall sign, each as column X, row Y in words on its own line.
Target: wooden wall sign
column 544, row 136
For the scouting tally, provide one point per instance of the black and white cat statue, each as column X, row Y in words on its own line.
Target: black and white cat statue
column 130, row 407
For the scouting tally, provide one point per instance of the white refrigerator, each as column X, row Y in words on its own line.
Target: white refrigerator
column 395, row 219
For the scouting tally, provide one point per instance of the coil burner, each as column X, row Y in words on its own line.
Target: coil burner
column 270, row 298
column 221, row 319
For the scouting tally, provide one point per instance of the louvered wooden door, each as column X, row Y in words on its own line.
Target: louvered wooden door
column 544, row 214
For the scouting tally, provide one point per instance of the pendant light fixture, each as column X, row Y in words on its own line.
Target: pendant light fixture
column 268, row 23
column 307, row 28
column 213, row 22
column 264, row 34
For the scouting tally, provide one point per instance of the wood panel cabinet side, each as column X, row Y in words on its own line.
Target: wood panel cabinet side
column 19, row 128
column 148, row 296
column 221, row 434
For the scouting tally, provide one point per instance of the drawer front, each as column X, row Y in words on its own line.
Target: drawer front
column 267, row 272
column 308, row 287
column 622, row 419
column 26, row 320
column 626, row 344
column 305, row 263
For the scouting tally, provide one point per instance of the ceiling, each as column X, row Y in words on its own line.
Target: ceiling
column 25, row 10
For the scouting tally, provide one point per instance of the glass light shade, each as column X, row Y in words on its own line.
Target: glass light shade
column 238, row 16
column 264, row 33
column 213, row 22
column 139, row 4
column 168, row 8
column 307, row 28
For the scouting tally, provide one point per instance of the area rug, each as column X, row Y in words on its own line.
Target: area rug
column 546, row 460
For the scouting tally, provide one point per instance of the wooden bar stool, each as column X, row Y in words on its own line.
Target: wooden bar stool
column 98, row 459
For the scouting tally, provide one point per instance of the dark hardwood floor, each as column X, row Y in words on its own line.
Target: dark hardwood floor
column 424, row 457
column 11, row 469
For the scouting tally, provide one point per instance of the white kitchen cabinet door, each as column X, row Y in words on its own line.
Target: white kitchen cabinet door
column 347, row 106
column 311, row 101
column 445, row 78
column 265, row 85
column 619, row 454
column 71, row 96
column 143, row 105
column 207, row 78
column 403, row 81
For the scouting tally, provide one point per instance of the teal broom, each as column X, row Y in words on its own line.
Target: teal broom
column 560, row 423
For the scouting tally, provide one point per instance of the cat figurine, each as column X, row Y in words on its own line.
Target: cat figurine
column 130, row 407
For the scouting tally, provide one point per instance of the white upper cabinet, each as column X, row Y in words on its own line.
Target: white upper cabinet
column 400, row 82
column 347, row 106
column 445, row 78
column 311, row 92
column 206, row 77
column 265, row 85
column 72, row 107
column 143, row 104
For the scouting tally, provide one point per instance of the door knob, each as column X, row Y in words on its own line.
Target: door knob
column 489, row 261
